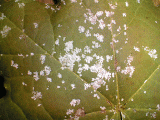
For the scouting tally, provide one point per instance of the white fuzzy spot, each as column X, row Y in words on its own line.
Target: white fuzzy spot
column 73, row 1
column 99, row 13
column 42, row 58
column 2, row 17
column 75, row 102
column 14, row 64
column 73, row 86
column 81, row 29
column 59, row 75
column 136, row 49
column 57, row 41
column 5, row 31
column 21, row 5
column 86, row 86
column 69, row 46
column 96, row 95
column 151, row 52
column 96, row 1
column 49, row 79
column 126, row 4
column 99, row 37
column 35, row 25
column 69, row 111
column 36, row 95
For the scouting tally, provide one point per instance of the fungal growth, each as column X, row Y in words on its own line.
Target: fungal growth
column 80, row 59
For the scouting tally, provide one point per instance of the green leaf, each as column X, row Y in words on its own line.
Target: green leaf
column 92, row 59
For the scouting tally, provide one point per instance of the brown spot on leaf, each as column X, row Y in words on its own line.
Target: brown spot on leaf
column 80, row 112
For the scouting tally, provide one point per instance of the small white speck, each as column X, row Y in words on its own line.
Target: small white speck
column 158, row 107
column 2, row 17
column 57, row 41
column 73, row 1
column 73, row 86
column 132, row 99
column 138, row 1
column 39, row 105
column 126, row 4
column 32, row 54
column 58, row 86
column 155, row 21
column 107, row 88
column 144, row 92
column 29, row 72
column 59, row 25
column 49, row 79
column 35, row 25
column 96, row 95
column 96, row 1
column 63, row 81
column 23, row 83
column 59, row 75
column 122, row 99
column 136, row 49
column 69, row 111
column 42, row 58
column 124, row 14
column 145, row 81
column 21, row 5
column 102, row 107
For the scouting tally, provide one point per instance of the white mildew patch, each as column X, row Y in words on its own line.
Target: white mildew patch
column 73, row 86
column 69, row 111
column 23, row 83
column 106, row 118
column 138, row 1
column 86, row 86
column 21, row 5
column 49, row 79
column 5, row 31
column 36, row 95
column 127, row 4
column 136, row 49
column 57, row 41
column 35, row 76
column 96, row 95
column 102, row 107
column 75, row 102
column 15, row 65
column 35, row 25
column 99, row 37
column 81, row 29
column 129, row 69
column 96, row 1
column 151, row 52
column 59, row 75
column 42, row 58
column 95, row 45
column 73, row 1
column 2, row 17
column 158, row 107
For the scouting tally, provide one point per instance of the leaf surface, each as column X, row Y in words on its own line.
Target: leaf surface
column 83, row 59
